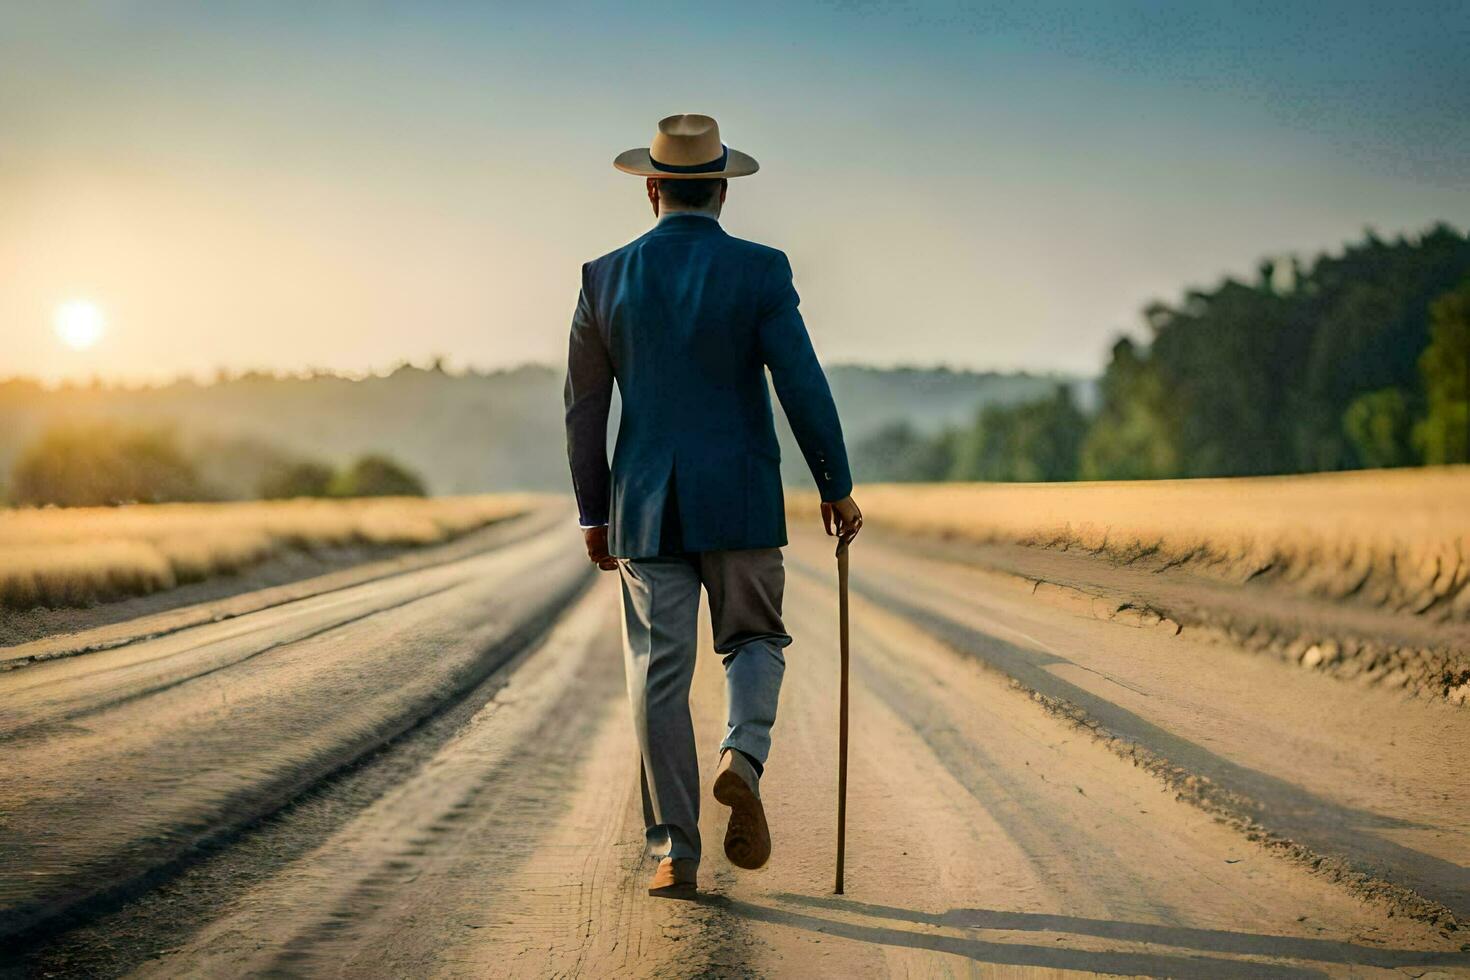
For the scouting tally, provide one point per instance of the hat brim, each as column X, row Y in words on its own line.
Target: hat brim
column 640, row 164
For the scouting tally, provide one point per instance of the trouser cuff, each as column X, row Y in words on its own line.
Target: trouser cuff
column 754, row 748
column 665, row 840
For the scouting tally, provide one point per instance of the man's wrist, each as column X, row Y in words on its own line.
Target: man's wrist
column 591, row 527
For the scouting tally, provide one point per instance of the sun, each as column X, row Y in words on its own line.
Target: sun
column 79, row 323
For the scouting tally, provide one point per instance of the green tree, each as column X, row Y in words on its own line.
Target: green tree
column 1443, row 436
column 1369, row 313
column 297, row 479
column 1036, row 441
column 1377, row 426
column 1130, row 439
column 1282, row 374
column 102, row 464
column 378, row 476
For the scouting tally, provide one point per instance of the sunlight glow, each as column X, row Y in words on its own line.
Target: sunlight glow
column 79, row 323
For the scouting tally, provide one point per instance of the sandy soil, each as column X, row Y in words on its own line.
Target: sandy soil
column 987, row 835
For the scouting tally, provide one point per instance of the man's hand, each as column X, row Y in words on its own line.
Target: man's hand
column 849, row 519
column 596, row 538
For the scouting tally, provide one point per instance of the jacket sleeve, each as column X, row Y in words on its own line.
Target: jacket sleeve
column 588, row 396
column 800, row 384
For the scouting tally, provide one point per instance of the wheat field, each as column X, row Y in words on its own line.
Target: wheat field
column 1398, row 538
column 77, row 556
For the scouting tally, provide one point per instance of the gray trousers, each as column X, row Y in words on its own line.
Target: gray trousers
column 660, row 636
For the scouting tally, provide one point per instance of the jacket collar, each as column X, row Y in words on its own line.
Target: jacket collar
column 688, row 222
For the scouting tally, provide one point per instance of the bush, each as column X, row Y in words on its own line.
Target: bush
column 299, row 479
column 232, row 466
column 102, row 464
column 1377, row 427
column 378, row 476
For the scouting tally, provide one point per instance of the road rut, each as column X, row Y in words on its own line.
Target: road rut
column 987, row 836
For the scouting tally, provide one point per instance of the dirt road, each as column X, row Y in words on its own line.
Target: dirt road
column 432, row 775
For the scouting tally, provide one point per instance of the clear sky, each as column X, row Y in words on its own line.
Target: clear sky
column 347, row 184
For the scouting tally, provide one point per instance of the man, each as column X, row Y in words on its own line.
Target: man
column 686, row 320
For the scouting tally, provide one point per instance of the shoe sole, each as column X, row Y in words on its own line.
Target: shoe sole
column 687, row 891
column 747, row 837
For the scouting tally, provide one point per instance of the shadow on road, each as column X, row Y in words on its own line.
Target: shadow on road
column 1184, row 937
column 1011, row 954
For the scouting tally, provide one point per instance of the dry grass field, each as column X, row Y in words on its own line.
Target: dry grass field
column 76, row 556
column 1396, row 538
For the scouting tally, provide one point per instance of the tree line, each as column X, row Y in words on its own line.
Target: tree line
column 1358, row 360
column 103, row 464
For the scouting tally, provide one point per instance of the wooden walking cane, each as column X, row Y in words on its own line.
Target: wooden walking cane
column 842, row 545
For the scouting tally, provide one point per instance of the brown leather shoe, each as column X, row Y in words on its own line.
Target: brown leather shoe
column 675, row 878
column 747, row 838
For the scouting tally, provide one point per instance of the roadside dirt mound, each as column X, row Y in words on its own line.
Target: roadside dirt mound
column 1391, row 539
column 1359, row 576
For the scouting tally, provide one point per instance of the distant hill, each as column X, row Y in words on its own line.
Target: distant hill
column 462, row 432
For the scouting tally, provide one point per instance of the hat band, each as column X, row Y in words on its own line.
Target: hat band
column 714, row 166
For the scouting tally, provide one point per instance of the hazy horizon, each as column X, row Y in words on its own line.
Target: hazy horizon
column 261, row 186
column 224, row 375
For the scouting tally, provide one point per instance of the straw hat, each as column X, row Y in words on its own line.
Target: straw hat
column 687, row 147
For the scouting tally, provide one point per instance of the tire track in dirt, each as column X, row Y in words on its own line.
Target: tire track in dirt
column 187, row 768
column 1357, row 846
column 156, row 922
column 54, row 721
column 516, row 850
column 504, row 838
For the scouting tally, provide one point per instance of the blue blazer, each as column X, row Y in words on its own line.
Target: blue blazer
column 686, row 320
